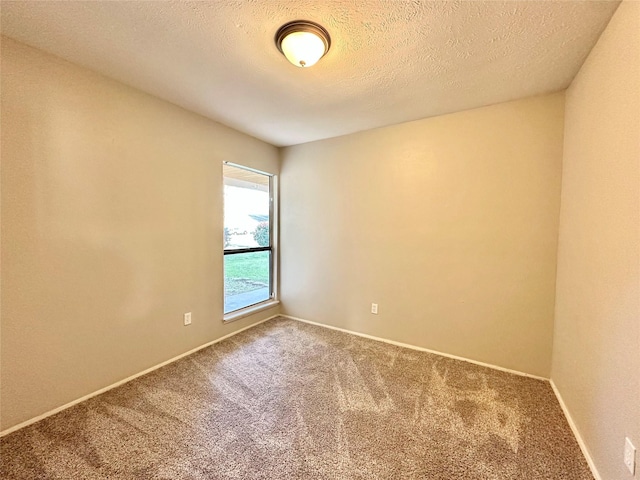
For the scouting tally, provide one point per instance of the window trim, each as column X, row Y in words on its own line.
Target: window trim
column 272, row 248
column 250, row 310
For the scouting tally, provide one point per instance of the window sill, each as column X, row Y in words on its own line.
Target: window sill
column 245, row 312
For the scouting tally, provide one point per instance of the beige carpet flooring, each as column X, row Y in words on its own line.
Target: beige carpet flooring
column 287, row 400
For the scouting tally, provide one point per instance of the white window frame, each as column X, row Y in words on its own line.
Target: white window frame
column 273, row 239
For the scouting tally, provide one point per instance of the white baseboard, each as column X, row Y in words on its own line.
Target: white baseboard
column 421, row 349
column 126, row 380
column 576, row 432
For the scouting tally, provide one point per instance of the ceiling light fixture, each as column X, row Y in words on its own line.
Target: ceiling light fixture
column 303, row 42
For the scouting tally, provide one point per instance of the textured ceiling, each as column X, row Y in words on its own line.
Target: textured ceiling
column 390, row 60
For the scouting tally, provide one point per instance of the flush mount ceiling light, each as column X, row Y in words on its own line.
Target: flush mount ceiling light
column 303, row 42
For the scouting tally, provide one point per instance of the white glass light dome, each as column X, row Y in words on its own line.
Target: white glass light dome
column 303, row 43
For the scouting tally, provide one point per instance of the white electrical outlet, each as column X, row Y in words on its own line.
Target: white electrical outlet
column 629, row 455
column 374, row 308
column 187, row 318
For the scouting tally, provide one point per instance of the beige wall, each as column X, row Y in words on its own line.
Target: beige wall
column 111, row 230
column 596, row 355
column 450, row 224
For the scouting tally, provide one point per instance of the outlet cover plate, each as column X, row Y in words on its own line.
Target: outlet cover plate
column 629, row 455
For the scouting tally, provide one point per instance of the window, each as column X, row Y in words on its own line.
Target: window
column 248, row 237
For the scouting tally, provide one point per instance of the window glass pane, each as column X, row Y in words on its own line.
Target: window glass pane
column 246, row 279
column 247, row 227
column 246, row 208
